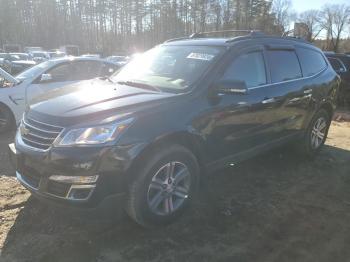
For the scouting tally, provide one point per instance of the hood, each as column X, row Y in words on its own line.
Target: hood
column 92, row 100
column 23, row 62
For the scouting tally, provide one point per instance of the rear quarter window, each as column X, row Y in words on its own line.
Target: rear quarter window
column 312, row 62
column 284, row 65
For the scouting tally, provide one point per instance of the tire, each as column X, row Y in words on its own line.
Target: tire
column 155, row 200
column 6, row 119
column 309, row 146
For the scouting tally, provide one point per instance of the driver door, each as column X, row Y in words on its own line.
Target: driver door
column 241, row 123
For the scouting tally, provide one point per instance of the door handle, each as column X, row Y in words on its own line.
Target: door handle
column 307, row 91
column 269, row 100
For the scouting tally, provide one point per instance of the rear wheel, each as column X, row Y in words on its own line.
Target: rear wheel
column 316, row 133
column 163, row 186
column 6, row 119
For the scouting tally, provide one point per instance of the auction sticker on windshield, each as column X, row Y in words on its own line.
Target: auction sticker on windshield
column 201, row 56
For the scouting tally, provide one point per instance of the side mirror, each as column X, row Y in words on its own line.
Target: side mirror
column 45, row 78
column 223, row 87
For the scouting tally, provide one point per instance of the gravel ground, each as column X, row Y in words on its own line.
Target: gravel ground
column 276, row 207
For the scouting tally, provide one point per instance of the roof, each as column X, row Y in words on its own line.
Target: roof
column 206, row 38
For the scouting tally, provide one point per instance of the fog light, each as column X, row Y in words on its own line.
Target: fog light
column 75, row 179
column 80, row 192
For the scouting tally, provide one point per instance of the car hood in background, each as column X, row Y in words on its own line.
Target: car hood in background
column 8, row 77
column 23, row 62
column 91, row 100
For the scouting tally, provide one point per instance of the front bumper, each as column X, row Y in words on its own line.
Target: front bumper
column 34, row 170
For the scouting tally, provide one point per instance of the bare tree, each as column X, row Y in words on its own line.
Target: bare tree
column 312, row 19
column 334, row 20
column 283, row 13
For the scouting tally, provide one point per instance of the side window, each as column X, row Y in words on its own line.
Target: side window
column 60, row 73
column 312, row 62
column 249, row 68
column 83, row 70
column 336, row 64
column 284, row 65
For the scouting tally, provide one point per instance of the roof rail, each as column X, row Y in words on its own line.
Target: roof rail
column 225, row 32
column 177, row 39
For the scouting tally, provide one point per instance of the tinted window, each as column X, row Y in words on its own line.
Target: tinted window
column 284, row 65
column 312, row 62
column 249, row 68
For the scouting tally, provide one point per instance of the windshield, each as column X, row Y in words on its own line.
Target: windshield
column 3, row 55
column 35, row 70
column 170, row 68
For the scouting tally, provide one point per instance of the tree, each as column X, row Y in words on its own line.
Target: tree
column 283, row 14
column 312, row 19
column 334, row 19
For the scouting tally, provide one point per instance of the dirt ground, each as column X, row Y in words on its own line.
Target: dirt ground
column 276, row 207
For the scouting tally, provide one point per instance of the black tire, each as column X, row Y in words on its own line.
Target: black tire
column 138, row 205
column 307, row 146
column 6, row 119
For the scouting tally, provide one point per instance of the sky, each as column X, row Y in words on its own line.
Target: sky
column 302, row 5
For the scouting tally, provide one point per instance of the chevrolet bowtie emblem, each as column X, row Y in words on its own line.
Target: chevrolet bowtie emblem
column 24, row 130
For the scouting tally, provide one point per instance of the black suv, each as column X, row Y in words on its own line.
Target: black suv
column 146, row 135
column 341, row 65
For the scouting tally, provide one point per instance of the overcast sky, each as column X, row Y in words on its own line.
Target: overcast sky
column 302, row 5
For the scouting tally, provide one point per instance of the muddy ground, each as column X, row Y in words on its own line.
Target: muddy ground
column 276, row 207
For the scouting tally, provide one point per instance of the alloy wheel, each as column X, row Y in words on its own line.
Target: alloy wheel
column 169, row 188
column 318, row 133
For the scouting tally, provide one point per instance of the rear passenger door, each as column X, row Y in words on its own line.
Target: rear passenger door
column 287, row 95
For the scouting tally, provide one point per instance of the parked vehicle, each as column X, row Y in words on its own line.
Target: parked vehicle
column 70, row 50
column 185, row 107
column 42, row 78
column 56, row 54
column 341, row 65
column 14, row 63
column 40, row 56
column 29, row 49
column 120, row 60
column 91, row 55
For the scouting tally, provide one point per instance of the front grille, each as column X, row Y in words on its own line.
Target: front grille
column 32, row 178
column 37, row 134
column 58, row 189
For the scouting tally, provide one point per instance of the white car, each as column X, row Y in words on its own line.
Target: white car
column 18, row 92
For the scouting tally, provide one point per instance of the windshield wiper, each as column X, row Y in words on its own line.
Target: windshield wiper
column 139, row 85
column 106, row 78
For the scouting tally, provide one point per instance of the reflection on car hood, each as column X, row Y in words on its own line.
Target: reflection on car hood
column 92, row 99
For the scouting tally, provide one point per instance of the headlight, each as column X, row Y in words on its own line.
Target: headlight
column 94, row 135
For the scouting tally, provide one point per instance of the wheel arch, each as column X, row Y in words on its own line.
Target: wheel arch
column 186, row 139
column 329, row 109
column 3, row 105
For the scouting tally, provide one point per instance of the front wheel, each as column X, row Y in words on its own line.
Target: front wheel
column 163, row 187
column 316, row 134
